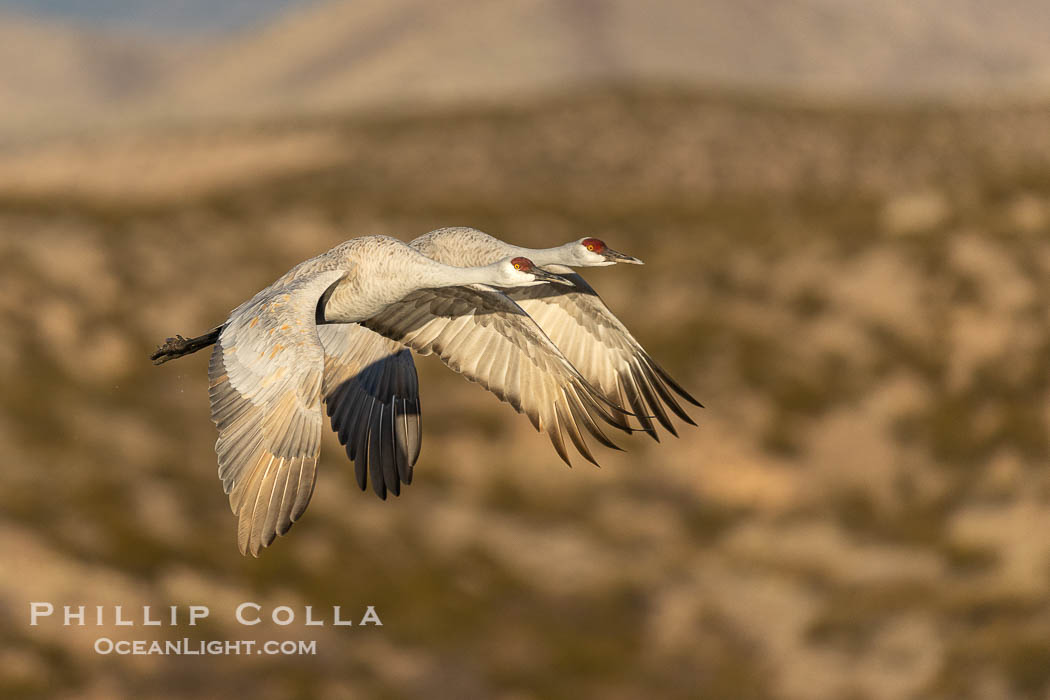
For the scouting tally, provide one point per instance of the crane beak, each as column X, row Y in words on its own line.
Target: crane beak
column 544, row 276
column 614, row 256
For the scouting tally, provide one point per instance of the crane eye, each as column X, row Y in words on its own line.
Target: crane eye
column 517, row 266
column 590, row 246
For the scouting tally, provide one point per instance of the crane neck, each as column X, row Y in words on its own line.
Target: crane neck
column 558, row 255
column 441, row 275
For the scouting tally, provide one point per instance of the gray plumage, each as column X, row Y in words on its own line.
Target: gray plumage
column 577, row 320
column 579, row 323
column 265, row 389
column 298, row 343
column 370, row 386
column 605, row 352
column 490, row 340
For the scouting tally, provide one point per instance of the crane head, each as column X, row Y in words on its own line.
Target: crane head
column 592, row 252
column 522, row 272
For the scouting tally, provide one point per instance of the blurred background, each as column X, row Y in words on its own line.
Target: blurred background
column 843, row 207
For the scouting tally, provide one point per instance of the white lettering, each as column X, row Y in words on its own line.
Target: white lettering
column 288, row 619
column 103, row 645
column 310, row 621
column 370, row 616
column 340, row 622
column 198, row 612
column 119, row 620
column 146, row 619
column 37, row 610
column 78, row 615
column 240, row 613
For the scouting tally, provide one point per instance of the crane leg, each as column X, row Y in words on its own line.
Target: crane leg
column 174, row 348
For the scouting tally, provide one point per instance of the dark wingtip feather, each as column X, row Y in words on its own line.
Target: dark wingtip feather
column 645, row 366
column 612, row 406
column 556, row 438
column 387, row 454
column 584, row 417
column 400, row 436
column 375, row 465
column 649, row 394
column 662, row 373
column 571, row 428
column 417, row 444
column 360, row 470
column 630, row 387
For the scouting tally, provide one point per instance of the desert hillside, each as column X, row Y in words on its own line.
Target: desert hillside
column 372, row 55
column 858, row 296
column 57, row 75
column 370, row 52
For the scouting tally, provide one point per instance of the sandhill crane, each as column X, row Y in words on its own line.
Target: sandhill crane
column 268, row 376
column 574, row 317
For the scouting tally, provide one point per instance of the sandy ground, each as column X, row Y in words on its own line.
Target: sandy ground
column 858, row 296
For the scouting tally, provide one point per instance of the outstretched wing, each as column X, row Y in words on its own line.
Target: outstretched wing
column 488, row 338
column 372, row 394
column 265, row 387
column 604, row 351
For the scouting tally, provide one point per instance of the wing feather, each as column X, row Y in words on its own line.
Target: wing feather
column 372, row 396
column 604, row 351
column 265, row 389
column 477, row 331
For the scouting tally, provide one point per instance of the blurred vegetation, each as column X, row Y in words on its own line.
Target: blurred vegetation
column 856, row 293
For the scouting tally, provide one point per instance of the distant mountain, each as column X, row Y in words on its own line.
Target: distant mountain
column 54, row 73
column 157, row 16
column 377, row 53
column 366, row 52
